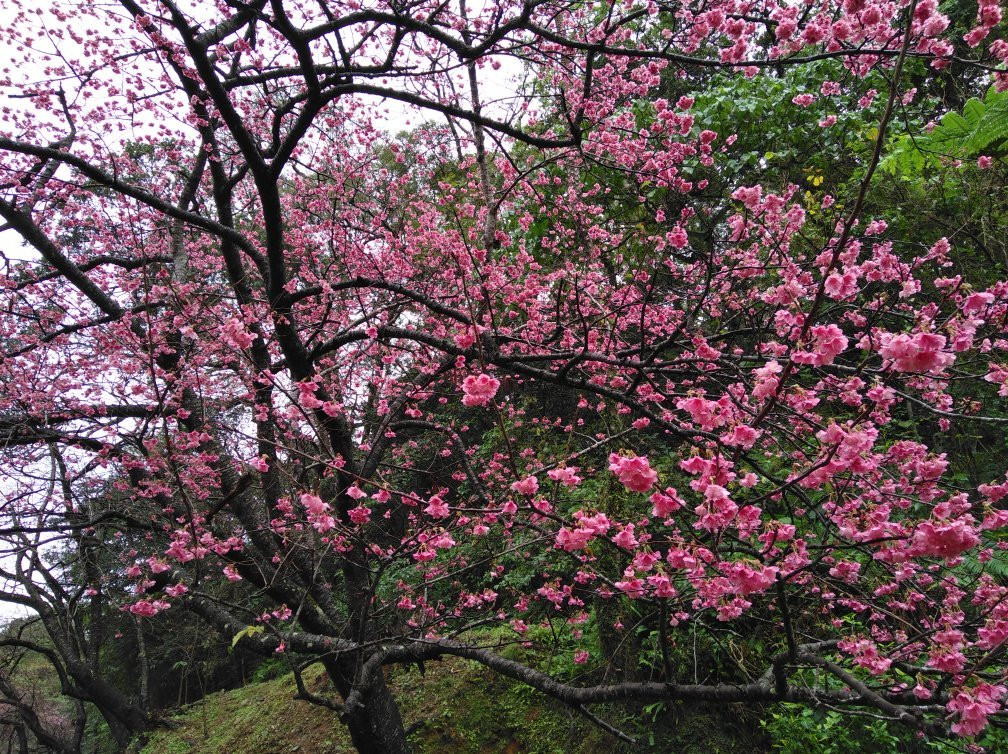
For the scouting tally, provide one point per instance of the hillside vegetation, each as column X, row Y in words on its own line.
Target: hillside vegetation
column 456, row 707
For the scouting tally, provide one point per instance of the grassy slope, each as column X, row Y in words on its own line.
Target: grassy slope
column 463, row 710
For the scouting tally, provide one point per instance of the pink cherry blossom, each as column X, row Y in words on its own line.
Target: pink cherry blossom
column 566, row 475
column 479, row 389
column 665, row 502
column 978, row 301
column 527, row 486
column 235, row 334
column 945, row 540
column 360, row 514
column 625, row 538
column 314, row 505
column 974, row 706
column 148, row 608
column 920, row 352
column 437, row 507
column 634, row 472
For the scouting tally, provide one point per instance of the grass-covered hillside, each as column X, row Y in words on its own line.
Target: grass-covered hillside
column 458, row 708
column 454, row 707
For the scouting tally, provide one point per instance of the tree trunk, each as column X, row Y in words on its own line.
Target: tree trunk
column 376, row 727
column 144, row 665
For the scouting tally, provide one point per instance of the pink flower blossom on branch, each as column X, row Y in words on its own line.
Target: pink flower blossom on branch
column 634, row 472
column 974, row 706
column 527, row 486
column 566, row 475
column 479, row 390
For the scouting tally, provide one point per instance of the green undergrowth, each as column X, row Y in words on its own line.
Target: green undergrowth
column 454, row 706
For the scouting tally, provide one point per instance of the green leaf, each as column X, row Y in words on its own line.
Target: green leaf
column 991, row 128
column 247, row 631
column 973, row 111
column 953, row 126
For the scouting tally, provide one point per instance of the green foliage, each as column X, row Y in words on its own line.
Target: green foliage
column 981, row 129
column 981, row 125
column 794, row 729
column 801, row 730
column 780, row 142
column 271, row 669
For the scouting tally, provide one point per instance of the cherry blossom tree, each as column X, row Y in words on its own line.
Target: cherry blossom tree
column 542, row 359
